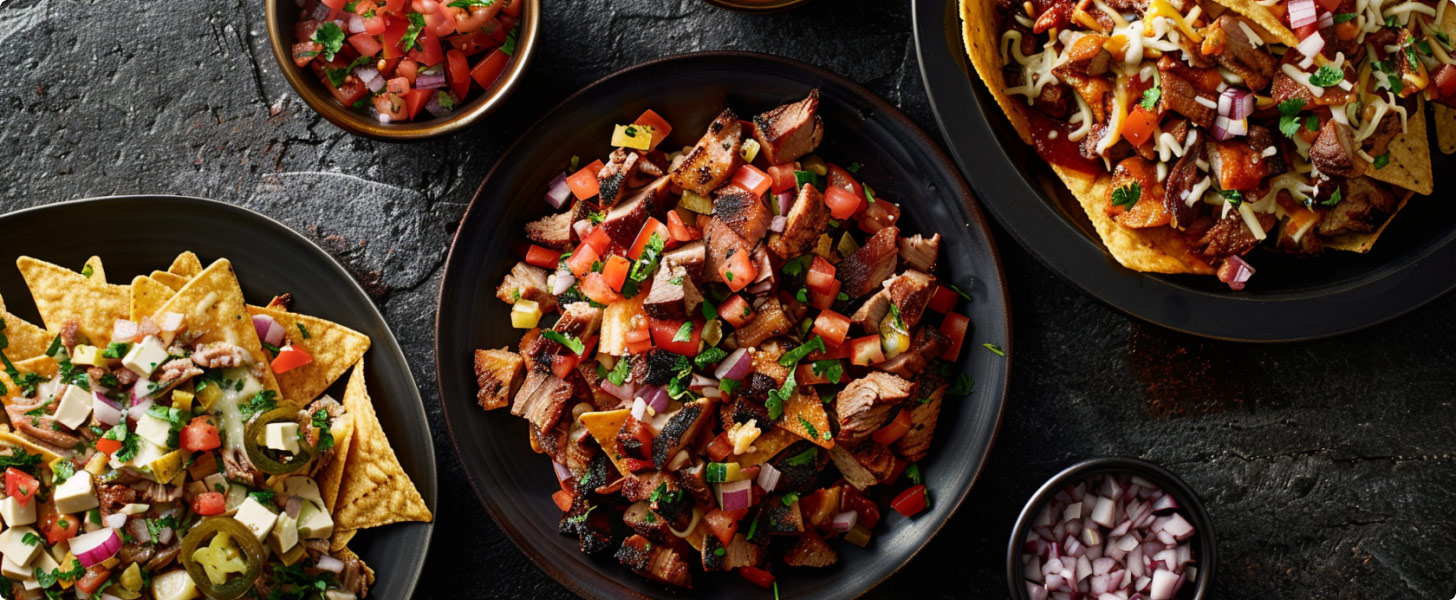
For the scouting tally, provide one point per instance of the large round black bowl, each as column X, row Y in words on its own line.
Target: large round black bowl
column 134, row 235
column 1288, row 299
column 899, row 160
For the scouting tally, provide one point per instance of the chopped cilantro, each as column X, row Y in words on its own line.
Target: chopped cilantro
column 322, row 421
column 1233, row 197
column 797, row 265
column 116, row 350
column 1333, row 199
column 331, row 37
column 709, row 311
column 619, row 372
column 54, row 348
column 508, row 47
column 728, row 386
column 568, row 340
column 1151, row 97
column 412, row 33
column 854, row 167
column 684, row 333
column 1327, row 76
column 831, row 370
column 1382, row 160
column 792, row 357
column 1126, row 196
column 1345, row 17
column 776, row 398
column 790, row 498
column 596, row 217
column 470, row 3
column 913, row 472
column 709, row 357
column 263, row 401
column 963, row 385
column 994, row 349
column 1289, row 116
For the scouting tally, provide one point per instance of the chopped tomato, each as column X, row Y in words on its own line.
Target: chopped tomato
column 210, row 503
column 659, row 125
column 805, row 375
column 336, row 7
column 290, row 357
column 893, row 430
column 59, row 527
column 401, row 83
column 393, row 34
column 563, row 364
column 472, row 43
column 832, row 327
column 1306, row 31
column 562, row 498
column 735, row 310
column 391, row 106
column 351, row 92
column 759, row 577
column 722, row 524
column 954, row 327
column 427, row 50
column 580, row 262
column 20, row 485
column 866, row 351
column 1139, row 126
column 839, row 177
column 394, row 6
column 583, row 183
column 852, row 499
column 595, row 287
column 639, row 339
column 457, row 72
column 514, row 9
column 738, row 272
column 911, row 501
column 1328, row 5
column 879, row 215
column 598, row 240
column 943, row 300
column 545, row 258
column 96, row 576
column 373, row 19
column 680, row 231
column 200, row 435
column 668, row 335
column 107, row 446
column 414, row 100
column 1445, row 76
column 305, row 52
column 842, row 204
column 366, row 44
column 720, row 447
column 615, row 272
column 490, row 68
column 783, row 177
column 820, row 277
column 824, row 300
column 833, row 351
column 753, row 179
column 408, row 69
column 652, row 226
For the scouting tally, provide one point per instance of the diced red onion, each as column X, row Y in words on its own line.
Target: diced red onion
column 768, row 478
column 778, row 223
column 435, row 108
column 164, row 536
column 761, row 287
column 330, row 564
column 139, row 529
column 1235, row 271
column 845, row 521
column 785, row 200
column 735, row 367
column 123, row 330
column 736, row 495
column 558, row 192
column 1301, row 13
column 1164, row 503
column 429, row 82
column 655, row 397
column 1163, row 585
column 114, row 521
column 106, row 410
column 148, row 327
column 321, row 12
column 1326, row 19
column 562, row 282
column 1240, row 103
column 624, row 392
column 375, row 85
column 1312, row 45
column 140, row 402
column 700, row 381
column 268, row 330
column 582, row 227
column 95, row 547
column 366, row 74
column 639, row 409
column 353, row 23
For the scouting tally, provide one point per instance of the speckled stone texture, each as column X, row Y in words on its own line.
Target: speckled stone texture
column 1327, row 466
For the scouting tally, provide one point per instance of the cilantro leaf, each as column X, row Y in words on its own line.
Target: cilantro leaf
column 963, row 385
column 832, row 369
column 470, row 3
column 1126, row 196
column 619, row 372
column 804, row 458
column 1327, row 76
column 913, row 472
column 1333, row 199
column 994, row 349
column 1345, row 17
column 710, row 357
column 568, row 340
column 1382, row 160
column 412, row 33
column 797, row 265
column 1232, row 197
column 1288, row 116
column 792, row 357
column 331, row 37
column 1151, row 97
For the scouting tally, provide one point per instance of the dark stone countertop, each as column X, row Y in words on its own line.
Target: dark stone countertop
column 1327, row 466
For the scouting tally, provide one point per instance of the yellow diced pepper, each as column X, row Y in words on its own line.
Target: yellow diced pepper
column 182, row 400
column 86, row 355
column 749, row 150
column 525, row 314
column 696, row 203
column 168, row 466
column 637, row 137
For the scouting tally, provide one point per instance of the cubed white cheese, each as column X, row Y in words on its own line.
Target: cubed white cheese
column 43, row 562
column 86, row 355
column 314, row 522
column 17, row 514
column 13, row 546
column 75, row 407
column 76, row 494
column 174, row 585
column 154, row 430
column 134, row 509
column 303, row 487
column 338, row 595
column 282, row 436
column 286, row 532
column 145, row 454
column 257, row 518
column 11, row 570
column 216, row 482
column 145, row 356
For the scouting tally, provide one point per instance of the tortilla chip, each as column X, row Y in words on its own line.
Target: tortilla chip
column 186, row 264
column 375, row 489
column 804, row 416
column 695, row 537
column 213, row 304
column 97, row 272
column 1444, row 120
column 334, row 349
column 1410, row 156
column 767, row 446
column 1269, row 21
column 9, row 440
column 63, row 295
column 333, row 474
column 603, row 426
column 148, row 295
column 346, row 554
column 171, row 280
column 1363, row 242
column 341, row 538
column 23, row 338
column 42, row 365
column 1156, row 249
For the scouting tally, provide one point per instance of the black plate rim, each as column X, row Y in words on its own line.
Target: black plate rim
column 390, row 345
column 978, row 219
column 1386, row 293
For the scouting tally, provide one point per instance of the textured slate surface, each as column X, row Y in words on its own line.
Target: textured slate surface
column 1327, row 466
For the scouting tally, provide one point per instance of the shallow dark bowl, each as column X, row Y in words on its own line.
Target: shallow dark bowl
column 135, row 234
column 1205, row 546
column 1289, row 299
column 757, row 6
column 515, row 484
column 283, row 14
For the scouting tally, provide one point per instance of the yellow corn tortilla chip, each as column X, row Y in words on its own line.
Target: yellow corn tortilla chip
column 1156, row 249
column 186, row 264
column 334, row 349
column 333, row 474
column 341, row 538
column 148, row 295
column 804, row 416
column 63, row 295
column 1444, row 119
column 603, row 426
column 767, row 446
column 346, row 554
column 96, row 271
column 171, row 280
column 213, row 305
column 10, row 440
column 375, row 489
column 1269, row 21
column 23, row 338
column 1410, row 156
column 42, row 365
column 1363, row 242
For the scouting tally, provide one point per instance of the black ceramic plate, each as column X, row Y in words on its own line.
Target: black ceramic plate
column 899, row 160
column 135, row 234
column 1288, row 299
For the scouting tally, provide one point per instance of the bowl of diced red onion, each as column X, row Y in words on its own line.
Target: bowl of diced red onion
column 1112, row 529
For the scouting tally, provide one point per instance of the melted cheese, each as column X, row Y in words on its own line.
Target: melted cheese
column 1251, row 220
column 1161, row 8
column 1303, row 79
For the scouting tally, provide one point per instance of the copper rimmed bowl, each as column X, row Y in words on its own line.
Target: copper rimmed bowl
column 282, row 15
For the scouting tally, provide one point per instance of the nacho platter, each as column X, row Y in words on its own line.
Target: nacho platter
column 225, row 418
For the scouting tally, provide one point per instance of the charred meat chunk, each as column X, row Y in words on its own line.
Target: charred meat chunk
column 526, row 282
column 920, row 252
column 552, row 231
column 654, row 561
column 680, row 431
column 1227, row 40
column 790, row 131
column 806, row 221
column 1333, row 152
column 714, row 158
column 864, row 405
column 498, row 374
column 866, row 268
column 1364, row 206
column 742, row 212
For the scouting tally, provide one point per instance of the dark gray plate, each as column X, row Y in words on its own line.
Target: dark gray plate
column 689, row 90
column 134, row 235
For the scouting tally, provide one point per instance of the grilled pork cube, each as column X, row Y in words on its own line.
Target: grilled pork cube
column 633, row 439
column 856, row 474
column 657, row 562
column 1181, row 179
column 526, row 282
column 810, row 551
column 1333, row 152
column 715, row 157
column 673, row 294
column 799, row 465
column 593, row 528
column 590, row 378
column 926, row 343
column 670, row 502
column 497, row 373
column 722, row 243
column 864, row 404
column 1366, row 205
column 876, row 459
column 790, row 131
column 807, row 220
column 541, row 398
column 625, row 220
column 1181, row 96
column 689, row 256
column 626, row 170
column 644, row 522
column 680, row 430
column 553, row 231
column 1228, row 41
column 874, row 309
column 920, row 252
column 779, row 519
column 923, row 415
column 639, row 486
column 579, row 319
column 742, row 212
column 769, row 322
column 692, row 477
column 865, row 269
column 910, row 292
column 738, row 553
column 656, row 367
